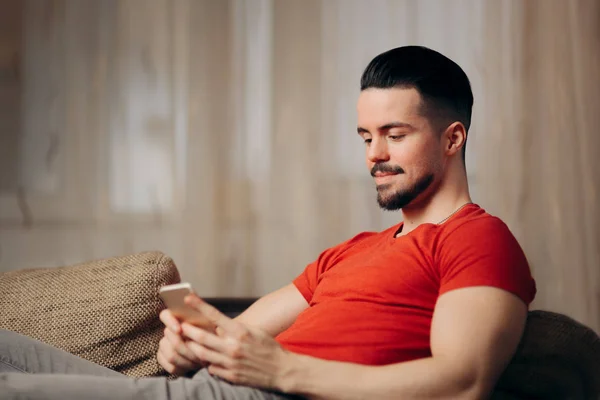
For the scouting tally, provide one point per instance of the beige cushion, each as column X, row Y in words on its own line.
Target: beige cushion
column 105, row 311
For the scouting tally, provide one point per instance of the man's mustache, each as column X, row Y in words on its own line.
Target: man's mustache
column 386, row 168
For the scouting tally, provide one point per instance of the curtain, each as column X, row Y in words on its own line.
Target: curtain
column 223, row 133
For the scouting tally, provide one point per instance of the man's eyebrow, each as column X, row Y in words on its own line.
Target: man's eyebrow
column 387, row 127
column 391, row 125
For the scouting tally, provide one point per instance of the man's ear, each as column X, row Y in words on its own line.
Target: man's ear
column 454, row 138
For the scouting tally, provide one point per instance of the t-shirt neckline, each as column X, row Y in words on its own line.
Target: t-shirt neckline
column 452, row 217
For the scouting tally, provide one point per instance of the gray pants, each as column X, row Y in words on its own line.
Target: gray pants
column 30, row 369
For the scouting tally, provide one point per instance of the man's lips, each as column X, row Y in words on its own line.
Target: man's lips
column 384, row 177
column 381, row 174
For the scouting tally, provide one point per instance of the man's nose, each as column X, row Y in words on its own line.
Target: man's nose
column 378, row 151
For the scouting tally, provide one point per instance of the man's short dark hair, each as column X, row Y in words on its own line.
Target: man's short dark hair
column 442, row 84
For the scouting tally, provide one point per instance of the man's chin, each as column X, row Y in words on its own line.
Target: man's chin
column 389, row 207
column 392, row 201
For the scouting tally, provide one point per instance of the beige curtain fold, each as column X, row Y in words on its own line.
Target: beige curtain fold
column 540, row 161
column 223, row 133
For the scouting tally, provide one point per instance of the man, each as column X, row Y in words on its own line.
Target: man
column 433, row 307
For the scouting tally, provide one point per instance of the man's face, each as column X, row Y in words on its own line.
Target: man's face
column 403, row 151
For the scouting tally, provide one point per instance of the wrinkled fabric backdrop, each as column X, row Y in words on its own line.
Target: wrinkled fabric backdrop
column 224, row 132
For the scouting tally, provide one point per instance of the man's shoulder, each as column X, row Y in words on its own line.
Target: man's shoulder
column 475, row 218
column 476, row 225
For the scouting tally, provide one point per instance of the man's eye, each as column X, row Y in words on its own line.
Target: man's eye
column 367, row 141
column 396, row 137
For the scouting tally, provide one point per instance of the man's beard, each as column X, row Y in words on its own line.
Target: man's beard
column 401, row 198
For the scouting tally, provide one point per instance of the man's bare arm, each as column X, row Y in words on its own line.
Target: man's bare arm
column 276, row 311
column 474, row 334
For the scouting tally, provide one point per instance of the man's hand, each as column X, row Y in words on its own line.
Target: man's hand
column 174, row 354
column 237, row 353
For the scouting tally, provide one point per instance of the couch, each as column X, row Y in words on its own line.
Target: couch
column 107, row 310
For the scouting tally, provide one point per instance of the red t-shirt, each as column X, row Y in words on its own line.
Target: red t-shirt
column 371, row 299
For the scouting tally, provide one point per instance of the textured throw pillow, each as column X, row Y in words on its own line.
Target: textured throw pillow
column 105, row 311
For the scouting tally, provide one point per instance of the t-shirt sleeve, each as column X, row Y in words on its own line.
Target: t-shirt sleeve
column 483, row 252
column 307, row 281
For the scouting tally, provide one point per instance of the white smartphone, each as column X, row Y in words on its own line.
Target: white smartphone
column 173, row 296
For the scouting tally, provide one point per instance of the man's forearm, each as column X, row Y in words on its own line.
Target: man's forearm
column 275, row 311
column 426, row 378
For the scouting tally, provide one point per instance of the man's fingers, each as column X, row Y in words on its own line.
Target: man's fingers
column 210, row 312
column 171, row 356
column 224, row 373
column 205, row 338
column 179, row 346
column 171, row 361
column 169, row 320
column 230, row 326
column 170, row 368
column 209, row 356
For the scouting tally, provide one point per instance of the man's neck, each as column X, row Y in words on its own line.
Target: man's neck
column 437, row 208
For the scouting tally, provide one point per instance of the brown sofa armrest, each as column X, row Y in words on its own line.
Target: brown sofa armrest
column 558, row 358
column 105, row 311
